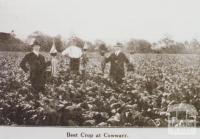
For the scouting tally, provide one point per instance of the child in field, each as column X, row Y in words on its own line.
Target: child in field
column 103, row 59
column 54, row 61
column 102, row 51
column 84, row 61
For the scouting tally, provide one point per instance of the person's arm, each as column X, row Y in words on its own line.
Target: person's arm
column 45, row 64
column 104, row 61
column 126, row 59
column 129, row 65
column 84, row 60
column 108, row 59
column 48, row 63
column 23, row 63
column 103, row 65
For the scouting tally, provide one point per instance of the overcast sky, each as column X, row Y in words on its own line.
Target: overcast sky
column 109, row 20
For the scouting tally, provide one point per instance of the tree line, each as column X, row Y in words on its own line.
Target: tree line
column 165, row 45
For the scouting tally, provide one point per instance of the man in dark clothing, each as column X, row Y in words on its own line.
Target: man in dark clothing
column 117, row 60
column 37, row 68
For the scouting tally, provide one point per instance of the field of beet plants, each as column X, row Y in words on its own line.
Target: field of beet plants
column 157, row 82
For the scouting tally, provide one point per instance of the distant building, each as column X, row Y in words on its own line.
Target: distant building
column 7, row 36
column 4, row 36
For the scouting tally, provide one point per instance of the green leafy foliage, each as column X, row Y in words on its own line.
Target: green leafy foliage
column 140, row 101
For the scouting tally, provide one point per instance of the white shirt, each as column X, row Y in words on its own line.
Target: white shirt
column 117, row 52
column 54, row 67
column 36, row 53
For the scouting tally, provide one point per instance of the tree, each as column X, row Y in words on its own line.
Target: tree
column 139, row 46
column 8, row 42
column 195, row 44
column 166, row 42
column 74, row 40
column 46, row 41
column 101, row 46
column 59, row 43
column 168, row 45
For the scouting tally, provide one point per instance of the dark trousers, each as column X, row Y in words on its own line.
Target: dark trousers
column 74, row 64
column 37, row 87
column 117, row 78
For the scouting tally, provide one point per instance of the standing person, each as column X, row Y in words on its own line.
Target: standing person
column 74, row 53
column 37, row 69
column 84, row 59
column 102, row 51
column 54, row 61
column 117, row 60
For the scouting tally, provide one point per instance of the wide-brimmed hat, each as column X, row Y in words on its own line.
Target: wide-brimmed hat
column 119, row 45
column 35, row 43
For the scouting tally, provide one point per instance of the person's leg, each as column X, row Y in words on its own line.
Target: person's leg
column 71, row 64
column 37, row 88
column 35, row 94
column 118, row 79
column 76, row 65
column 41, row 88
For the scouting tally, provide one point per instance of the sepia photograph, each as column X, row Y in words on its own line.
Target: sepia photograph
column 100, row 64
